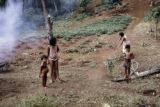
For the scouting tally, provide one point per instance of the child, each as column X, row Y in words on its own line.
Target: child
column 43, row 71
column 53, row 50
column 124, row 42
column 127, row 62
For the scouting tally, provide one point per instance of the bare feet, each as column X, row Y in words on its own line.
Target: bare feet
column 59, row 80
column 51, row 82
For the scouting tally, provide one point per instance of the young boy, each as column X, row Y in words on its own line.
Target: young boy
column 124, row 41
column 53, row 50
column 43, row 71
column 127, row 62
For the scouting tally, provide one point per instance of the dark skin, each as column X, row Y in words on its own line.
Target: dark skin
column 128, row 69
column 41, row 74
column 54, row 68
column 41, row 68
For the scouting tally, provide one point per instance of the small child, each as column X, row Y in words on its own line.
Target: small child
column 124, row 41
column 43, row 71
column 53, row 50
column 127, row 62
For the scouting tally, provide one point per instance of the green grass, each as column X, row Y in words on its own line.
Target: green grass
column 105, row 26
column 75, row 15
column 38, row 100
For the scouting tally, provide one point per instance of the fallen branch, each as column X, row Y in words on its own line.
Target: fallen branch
column 138, row 75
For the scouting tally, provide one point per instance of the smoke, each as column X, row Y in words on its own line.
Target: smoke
column 9, row 22
column 69, row 5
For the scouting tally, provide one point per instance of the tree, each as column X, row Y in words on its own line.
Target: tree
column 84, row 4
column 45, row 12
column 154, row 15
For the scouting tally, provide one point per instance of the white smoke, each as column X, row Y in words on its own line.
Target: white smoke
column 9, row 21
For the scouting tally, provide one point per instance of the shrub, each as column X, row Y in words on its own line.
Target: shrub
column 38, row 101
column 110, row 4
column 153, row 14
column 84, row 3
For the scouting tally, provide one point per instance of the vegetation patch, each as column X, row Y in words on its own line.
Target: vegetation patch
column 104, row 26
column 38, row 101
column 153, row 14
column 110, row 4
column 76, row 16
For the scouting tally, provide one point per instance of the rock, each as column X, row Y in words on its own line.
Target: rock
column 106, row 105
column 26, row 67
column 98, row 46
column 25, row 54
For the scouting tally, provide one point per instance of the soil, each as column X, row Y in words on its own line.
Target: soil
column 87, row 81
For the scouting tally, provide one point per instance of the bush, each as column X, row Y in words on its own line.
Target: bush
column 153, row 14
column 38, row 101
column 84, row 3
column 110, row 4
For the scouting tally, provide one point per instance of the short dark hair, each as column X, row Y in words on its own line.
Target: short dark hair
column 121, row 34
column 44, row 57
column 52, row 41
column 128, row 46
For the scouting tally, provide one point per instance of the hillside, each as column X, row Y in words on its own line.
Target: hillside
column 85, row 45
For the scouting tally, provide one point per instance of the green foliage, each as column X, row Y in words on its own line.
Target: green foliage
column 153, row 14
column 105, row 26
column 110, row 4
column 74, row 16
column 38, row 101
column 84, row 3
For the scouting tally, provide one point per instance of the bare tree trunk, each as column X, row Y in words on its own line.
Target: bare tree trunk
column 139, row 75
column 45, row 12
column 56, row 9
column 156, row 30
